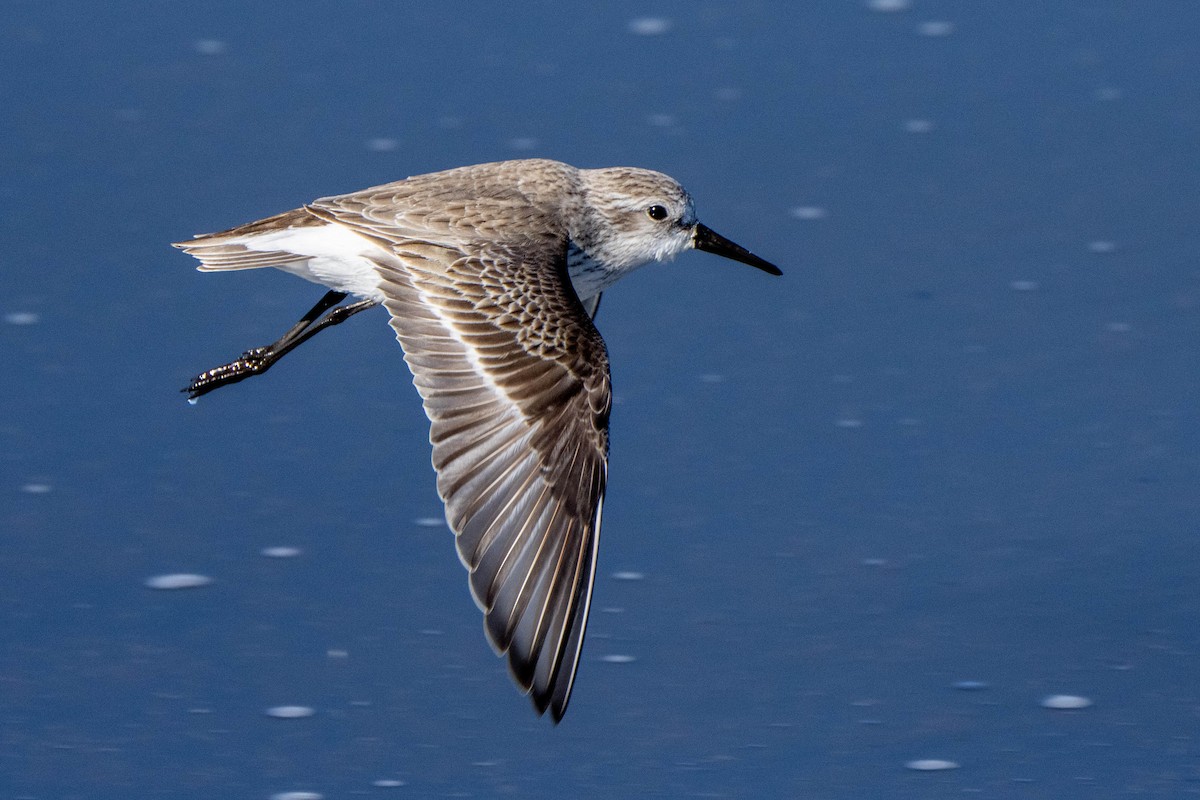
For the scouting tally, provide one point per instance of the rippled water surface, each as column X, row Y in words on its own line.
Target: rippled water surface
column 917, row 520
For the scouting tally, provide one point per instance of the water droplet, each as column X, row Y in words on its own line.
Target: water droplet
column 382, row 144
column 22, row 318
column 281, row 551
column 936, row 27
column 290, row 712
column 808, row 212
column 178, row 580
column 617, row 658
column 649, row 26
column 931, row 764
column 210, row 47
column 1065, row 701
column 627, row 575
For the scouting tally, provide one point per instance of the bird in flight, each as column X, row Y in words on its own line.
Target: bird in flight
column 492, row 275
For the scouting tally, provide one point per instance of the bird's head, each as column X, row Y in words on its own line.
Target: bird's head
column 636, row 216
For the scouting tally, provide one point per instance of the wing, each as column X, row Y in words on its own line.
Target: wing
column 514, row 379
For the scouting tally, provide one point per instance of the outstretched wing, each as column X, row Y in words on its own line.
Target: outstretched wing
column 514, row 379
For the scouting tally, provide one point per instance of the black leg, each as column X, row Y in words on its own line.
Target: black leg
column 260, row 359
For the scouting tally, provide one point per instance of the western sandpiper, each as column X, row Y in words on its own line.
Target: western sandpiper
column 492, row 275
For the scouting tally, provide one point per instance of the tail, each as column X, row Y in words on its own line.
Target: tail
column 228, row 250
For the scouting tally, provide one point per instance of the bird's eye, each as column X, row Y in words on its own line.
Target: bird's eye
column 657, row 212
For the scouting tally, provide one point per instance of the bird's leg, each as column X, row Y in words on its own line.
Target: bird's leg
column 260, row 359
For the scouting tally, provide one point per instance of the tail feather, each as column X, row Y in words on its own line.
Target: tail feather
column 228, row 250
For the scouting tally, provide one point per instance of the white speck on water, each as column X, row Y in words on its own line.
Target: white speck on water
column 210, row 47
column 808, row 212
column 178, row 580
column 1065, row 701
column 918, row 125
column 936, row 27
column 297, row 796
column 1118, row 327
column 281, row 551
column 36, row 488
column 617, row 658
column 290, row 712
column 1102, row 246
column 612, row 610
column 1024, row 286
column 430, row 522
column 387, row 783
column 523, row 143
column 22, row 318
column 649, row 26
column 1107, row 94
column 889, row 5
column 627, row 575
column 661, row 121
column 848, row 422
column 931, row 764
column 712, row 377
column 334, row 652
column 970, row 686
column 728, row 94
column 874, row 562
column 382, row 144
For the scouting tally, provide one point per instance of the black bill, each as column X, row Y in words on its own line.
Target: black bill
column 708, row 240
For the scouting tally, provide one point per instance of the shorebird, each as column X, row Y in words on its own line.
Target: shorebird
column 492, row 275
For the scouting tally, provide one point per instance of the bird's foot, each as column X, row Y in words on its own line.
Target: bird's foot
column 252, row 362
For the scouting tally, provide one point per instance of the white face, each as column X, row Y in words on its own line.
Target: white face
column 643, row 216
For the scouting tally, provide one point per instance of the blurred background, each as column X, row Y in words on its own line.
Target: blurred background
column 918, row 519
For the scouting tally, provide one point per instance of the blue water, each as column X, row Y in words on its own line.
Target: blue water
column 957, row 441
